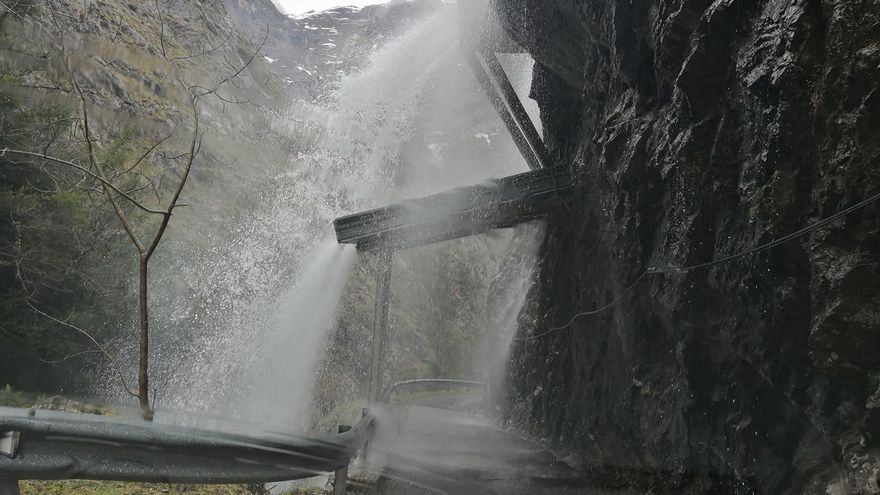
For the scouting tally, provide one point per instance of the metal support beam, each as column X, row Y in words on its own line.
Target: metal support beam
column 459, row 212
column 504, row 99
column 379, row 341
column 516, row 108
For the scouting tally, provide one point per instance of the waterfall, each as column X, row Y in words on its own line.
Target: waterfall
column 279, row 389
column 265, row 290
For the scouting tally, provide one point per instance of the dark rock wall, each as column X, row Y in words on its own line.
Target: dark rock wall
column 703, row 129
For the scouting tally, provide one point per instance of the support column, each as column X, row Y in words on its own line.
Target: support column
column 379, row 341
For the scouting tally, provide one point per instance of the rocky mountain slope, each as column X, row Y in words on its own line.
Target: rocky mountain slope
column 310, row 52
column 703, row 129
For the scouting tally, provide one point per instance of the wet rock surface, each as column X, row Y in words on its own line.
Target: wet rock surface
column 703, row 129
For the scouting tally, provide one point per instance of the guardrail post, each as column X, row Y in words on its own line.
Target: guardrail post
column 9, row 487
column 380, row 324
column 340, row 481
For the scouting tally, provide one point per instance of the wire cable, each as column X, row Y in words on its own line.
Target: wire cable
column 673, row 269
column 771, row 244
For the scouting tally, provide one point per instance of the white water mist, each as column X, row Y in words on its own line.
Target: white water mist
column 262, row 294
column 283, row 363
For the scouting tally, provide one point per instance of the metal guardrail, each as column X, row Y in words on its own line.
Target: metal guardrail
column 54, row 445
column 417, row 383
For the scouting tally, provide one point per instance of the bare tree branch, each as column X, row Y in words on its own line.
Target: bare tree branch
column 240, row 69
column 192, row 155
column 9, row 10
column 129, row 229
column 101, row 348
column 69, row 356
column 86, row 171
column 204, row 52
column 161, row 29
column 37, row 128
column 146, row 153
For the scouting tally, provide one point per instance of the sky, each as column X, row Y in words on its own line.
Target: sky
column 300, row 6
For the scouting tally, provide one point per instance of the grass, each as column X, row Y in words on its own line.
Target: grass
column 10, row 397
column 88, row 487
column 305, row 491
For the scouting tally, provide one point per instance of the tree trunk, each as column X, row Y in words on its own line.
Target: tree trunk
column 144, row 343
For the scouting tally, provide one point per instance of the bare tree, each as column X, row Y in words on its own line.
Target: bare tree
column 133, row 190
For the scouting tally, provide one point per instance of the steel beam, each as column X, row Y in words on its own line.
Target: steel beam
column 379, row 340
column 516, row 109
column 494, row 94
column 481, row 38
column 458, row 213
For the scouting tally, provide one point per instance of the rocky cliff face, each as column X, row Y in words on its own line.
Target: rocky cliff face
column 703, row 129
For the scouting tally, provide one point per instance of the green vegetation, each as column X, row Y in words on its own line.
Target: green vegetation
column 305, row 491
column 10, row 397
column 47, row 247
column 88, row 487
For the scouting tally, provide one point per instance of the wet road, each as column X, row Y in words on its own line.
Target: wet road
column 442, row 443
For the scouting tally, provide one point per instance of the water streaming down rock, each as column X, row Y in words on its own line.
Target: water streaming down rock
column 507, row 296
column 267, row 287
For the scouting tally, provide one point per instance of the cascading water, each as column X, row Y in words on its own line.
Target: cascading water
column 508, row 292
column 296, row 336
column 267, row 289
